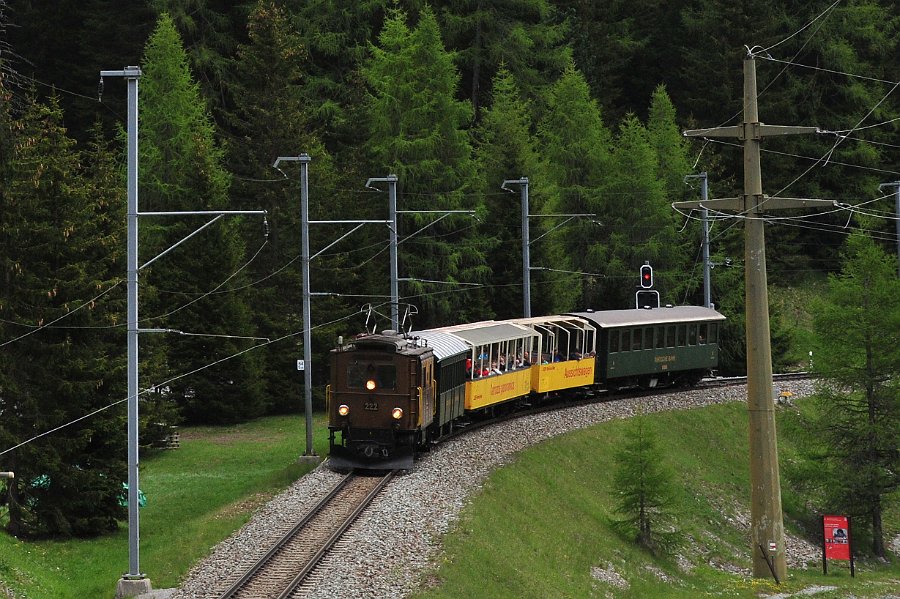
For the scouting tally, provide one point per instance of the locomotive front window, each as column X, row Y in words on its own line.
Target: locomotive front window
column 384, row 375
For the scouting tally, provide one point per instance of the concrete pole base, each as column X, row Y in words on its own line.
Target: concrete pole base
column 309, row 459
column 132, row 587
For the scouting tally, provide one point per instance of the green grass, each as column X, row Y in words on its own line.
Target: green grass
column 540, row 525
column 197, row 495
column 793, row 306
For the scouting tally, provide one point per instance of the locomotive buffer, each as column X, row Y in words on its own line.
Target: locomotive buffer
column 767, row 525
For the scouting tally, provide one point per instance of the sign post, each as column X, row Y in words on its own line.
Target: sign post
column 836, row 542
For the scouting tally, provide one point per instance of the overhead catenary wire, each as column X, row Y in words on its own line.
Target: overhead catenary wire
column 64, row 316
column 172, row 380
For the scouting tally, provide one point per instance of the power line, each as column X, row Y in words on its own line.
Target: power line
column 819, row 16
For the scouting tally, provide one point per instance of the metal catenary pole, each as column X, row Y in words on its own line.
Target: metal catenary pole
column 704, row 213
column 304, row 161
column 526, row 252
column 134, row 574
column 523, row 184
column 131, row 75
column 767, row 522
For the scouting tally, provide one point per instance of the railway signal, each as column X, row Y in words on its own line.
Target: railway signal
column 646, row 276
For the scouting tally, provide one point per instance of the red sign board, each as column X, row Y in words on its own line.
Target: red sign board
column 836, row 531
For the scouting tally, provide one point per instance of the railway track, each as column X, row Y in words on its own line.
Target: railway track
column 282, row 571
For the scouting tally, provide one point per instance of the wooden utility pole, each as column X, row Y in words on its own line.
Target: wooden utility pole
column 767, row 525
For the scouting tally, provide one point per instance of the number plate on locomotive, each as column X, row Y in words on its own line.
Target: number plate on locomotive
column 371, row 406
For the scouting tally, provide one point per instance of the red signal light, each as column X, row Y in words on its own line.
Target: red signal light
column 646, row 276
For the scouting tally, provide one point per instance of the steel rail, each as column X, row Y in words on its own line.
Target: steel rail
column 261, row 562
column 335, row 537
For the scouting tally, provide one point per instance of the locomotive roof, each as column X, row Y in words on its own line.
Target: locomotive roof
column 444, row 345
column 401, row 344
column 641, row 317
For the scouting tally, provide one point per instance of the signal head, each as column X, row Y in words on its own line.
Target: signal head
column 646, row 276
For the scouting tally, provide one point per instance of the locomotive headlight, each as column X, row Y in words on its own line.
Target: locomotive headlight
column 397, row 413
column 370, row 384
column 343, row 409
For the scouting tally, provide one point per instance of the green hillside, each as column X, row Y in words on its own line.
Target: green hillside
column 540, row 526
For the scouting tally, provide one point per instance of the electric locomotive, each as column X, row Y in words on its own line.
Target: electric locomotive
column 381, row 400
column 392, row 394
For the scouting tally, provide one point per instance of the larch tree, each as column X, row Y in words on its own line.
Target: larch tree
column 642, row 489
column 680, row 265
column 506, row 148
column 198, row 289
column 417, row 130
column 577, row 147
column 857, row 332
column 59, row 310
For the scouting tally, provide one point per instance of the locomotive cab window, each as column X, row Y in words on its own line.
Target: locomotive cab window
column 359, row 374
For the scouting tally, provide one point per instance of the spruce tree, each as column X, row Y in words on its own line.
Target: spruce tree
column 58, row 314
column 857, row 328
column 417, row 131
column 199, row 288
column 527, row 37
column 270, row 118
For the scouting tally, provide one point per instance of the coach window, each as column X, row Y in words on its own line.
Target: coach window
column 613, row 342
column 626, row 340
column 648, row 338
column 692, row 334
column 713, row 332
column 682, row 335
column 670, row 335
column 636, row 339
column 703, row 335
column 660, row 337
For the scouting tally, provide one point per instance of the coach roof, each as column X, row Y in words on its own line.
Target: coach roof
column 638, row 317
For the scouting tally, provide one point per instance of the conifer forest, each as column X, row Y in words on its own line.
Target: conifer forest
column 588, row 100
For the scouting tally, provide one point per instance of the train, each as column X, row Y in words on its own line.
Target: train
column 393, row 394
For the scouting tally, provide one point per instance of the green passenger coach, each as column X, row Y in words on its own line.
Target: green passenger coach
column 655, row 347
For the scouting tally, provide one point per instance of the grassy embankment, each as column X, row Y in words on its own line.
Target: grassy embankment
column 540, row 526
column 197, row 495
